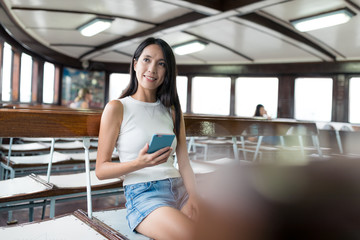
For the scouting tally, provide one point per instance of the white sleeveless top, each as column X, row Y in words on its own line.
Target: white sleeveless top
column 140, row 121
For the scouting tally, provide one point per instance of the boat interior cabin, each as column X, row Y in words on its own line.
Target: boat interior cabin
column 267, row 93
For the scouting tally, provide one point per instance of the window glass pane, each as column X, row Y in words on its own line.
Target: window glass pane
column 6, row 73
column 211, row 95
column 25, row 78
column 354, row 100
column 118, row 83
column 48, row 83
column 181, row 85
column 251, row 91
column 313, row 99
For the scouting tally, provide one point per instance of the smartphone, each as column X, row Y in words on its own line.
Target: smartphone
column 159, row 141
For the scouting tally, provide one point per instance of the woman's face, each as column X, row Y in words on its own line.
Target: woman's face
column 262, row 111
column 88, row 97
column 150, row 68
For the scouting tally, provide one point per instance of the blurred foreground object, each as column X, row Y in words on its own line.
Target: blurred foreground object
column 320, row 200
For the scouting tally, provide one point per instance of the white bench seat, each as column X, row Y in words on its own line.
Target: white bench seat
column 25, row 147
column 67, row 227
column 116, row 219
column 39, row 159
column 22, row 186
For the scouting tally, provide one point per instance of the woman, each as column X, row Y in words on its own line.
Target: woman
column 161, row 201
column 83, row 99
column 261, row 112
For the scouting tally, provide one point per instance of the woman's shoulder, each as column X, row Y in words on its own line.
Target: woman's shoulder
column 114, row 107
column 115, row 103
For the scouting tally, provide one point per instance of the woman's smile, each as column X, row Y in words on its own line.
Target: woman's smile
column 150, row 78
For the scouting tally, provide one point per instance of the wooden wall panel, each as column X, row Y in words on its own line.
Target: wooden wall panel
column 15, row 76
column 286, row 97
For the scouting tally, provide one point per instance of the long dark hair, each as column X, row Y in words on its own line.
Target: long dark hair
column 166, row 92
column 257, row 111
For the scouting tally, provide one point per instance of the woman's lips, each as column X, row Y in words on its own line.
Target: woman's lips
column 150, row 78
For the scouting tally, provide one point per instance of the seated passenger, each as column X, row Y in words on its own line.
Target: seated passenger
column 83, row 99
column 261, row 112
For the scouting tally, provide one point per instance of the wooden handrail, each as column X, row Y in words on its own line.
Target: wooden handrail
column 235, row 126
column 45, row 107
column 48, row 123
column 72, row 123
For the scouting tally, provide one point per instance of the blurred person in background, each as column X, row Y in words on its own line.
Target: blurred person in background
column 83, row 99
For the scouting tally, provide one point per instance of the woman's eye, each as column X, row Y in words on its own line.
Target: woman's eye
column 162, row 64
column 146, row 60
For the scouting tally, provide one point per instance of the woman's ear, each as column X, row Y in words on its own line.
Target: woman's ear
column 134, row 64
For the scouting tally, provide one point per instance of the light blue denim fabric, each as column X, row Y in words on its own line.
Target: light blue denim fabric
column 143, row 198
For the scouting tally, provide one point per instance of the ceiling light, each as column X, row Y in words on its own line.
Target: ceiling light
column 189, row 47
column 323, row 20
column 95, row 26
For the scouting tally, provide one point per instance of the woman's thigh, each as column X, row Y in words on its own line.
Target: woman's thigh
column 167, row 223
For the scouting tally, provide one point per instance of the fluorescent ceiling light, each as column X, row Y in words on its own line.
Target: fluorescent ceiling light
column 323, row 20
column 95, row 26
column 189, row 47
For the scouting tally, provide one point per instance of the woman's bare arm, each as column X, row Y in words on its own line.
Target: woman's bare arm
column 191, row 208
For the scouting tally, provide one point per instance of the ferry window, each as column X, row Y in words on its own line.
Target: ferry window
column 313, row 99
column 25, row 78
column 251, row 91
column 181, row 85
column 48, row 83
column 354, row 100
column 6, row 73
column 211, row 95
column 118, row 83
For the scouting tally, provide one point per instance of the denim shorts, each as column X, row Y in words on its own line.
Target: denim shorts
column 143, row 198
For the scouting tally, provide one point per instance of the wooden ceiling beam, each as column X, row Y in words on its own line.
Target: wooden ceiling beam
column 214, row 4
column 225, row 5
column 273, row 69
column 235, row 4
column 254, row 69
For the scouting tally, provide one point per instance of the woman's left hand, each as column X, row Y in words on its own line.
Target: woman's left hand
column 191, row 208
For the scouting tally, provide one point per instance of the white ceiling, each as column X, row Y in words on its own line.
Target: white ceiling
column 233, row 36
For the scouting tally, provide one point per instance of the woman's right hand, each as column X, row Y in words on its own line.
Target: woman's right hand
column 145, row 159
